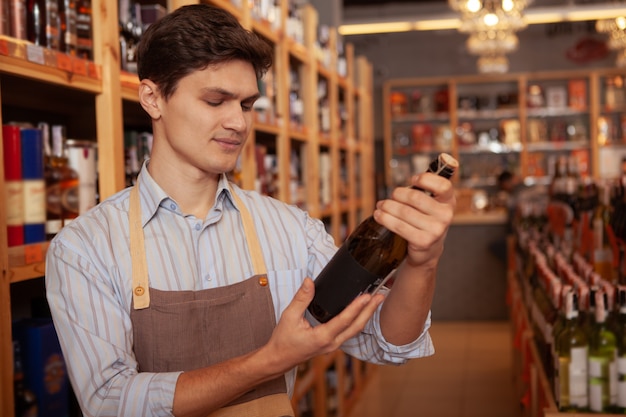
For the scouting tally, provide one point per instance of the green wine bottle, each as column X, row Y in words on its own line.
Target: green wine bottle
column 621, row 351
column 573, row 349
column 602, row 357
column 557, row 329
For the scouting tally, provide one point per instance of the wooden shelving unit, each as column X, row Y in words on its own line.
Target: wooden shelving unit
column 92, row 99
column 502, row 104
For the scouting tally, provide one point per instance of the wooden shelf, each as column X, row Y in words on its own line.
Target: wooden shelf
column 129, row 86
column 23, row 59
column 27, row 262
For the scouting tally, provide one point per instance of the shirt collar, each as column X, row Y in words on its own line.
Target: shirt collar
column 152, row 195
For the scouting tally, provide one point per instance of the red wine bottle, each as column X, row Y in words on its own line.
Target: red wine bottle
column 364, row 261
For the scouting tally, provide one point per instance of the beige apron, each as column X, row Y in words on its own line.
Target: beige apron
column 185, row 330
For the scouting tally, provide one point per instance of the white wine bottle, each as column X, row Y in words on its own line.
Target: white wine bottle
column 573, row 351
column 621, row 351
column 365, row 259
column 602, row 355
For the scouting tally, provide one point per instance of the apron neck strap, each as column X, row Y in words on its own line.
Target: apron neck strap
column 141, row 295
column 254, row 247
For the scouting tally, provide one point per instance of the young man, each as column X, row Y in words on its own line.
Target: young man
column 186, row 295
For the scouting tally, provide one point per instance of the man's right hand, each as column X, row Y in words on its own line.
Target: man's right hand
column 294, row 340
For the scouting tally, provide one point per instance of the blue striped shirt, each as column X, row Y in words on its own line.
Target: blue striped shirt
column 89, row 285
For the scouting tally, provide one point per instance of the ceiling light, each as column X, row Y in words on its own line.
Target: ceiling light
column 492, row 30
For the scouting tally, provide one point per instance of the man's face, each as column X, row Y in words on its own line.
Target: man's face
column 208, row 118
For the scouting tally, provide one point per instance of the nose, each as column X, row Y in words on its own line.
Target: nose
column 236, row 118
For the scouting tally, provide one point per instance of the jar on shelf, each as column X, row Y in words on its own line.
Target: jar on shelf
column 398, row 102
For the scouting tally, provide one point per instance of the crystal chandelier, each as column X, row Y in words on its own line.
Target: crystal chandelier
column 616, row 30
column 491, row 25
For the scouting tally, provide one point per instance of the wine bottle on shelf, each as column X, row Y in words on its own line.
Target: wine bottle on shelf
column 557, row 329
column 602, row 354
column 605, row 247
column 34, row 185
column 621, row 351
column 573, row 350
column 61, row 185
column 13, row 183
column 69, row 35
column 84, row 41
column 365, row 260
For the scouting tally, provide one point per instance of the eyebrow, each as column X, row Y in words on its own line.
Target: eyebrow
column 230, row 94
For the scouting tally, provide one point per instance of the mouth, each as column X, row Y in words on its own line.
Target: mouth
column 228, row 143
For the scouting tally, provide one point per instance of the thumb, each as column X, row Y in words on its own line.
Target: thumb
column 303, row 296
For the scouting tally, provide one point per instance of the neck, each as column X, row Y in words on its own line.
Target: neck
column 192, row 190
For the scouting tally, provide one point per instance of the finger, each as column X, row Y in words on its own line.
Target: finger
column 438, row 186
column 301, row 299
column 353, row 318
column 357, row 324
column 406, row 220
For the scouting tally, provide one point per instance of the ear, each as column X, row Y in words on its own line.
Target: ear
column 149, row 98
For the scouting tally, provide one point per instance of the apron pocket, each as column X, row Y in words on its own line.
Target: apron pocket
column 199, row 333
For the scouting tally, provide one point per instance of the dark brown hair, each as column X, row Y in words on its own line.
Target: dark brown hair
column 192, row 38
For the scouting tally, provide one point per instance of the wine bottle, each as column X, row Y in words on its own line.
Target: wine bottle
column 621, row 351
column 61, row 185
column 602, row 354
column 365, row 260
column 573, row 349
column 604, row 244
column 557, row 329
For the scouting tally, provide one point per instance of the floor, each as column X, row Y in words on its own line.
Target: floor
column 470, row 375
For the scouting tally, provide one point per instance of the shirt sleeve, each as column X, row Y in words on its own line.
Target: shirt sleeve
column 370, row 345
column 95, row 333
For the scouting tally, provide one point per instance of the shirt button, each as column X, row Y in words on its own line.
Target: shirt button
column 208, row 278
column 263, row 281
column 173, row 206
column 198, row 226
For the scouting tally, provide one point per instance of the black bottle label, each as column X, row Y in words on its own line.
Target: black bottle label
column 355, row 281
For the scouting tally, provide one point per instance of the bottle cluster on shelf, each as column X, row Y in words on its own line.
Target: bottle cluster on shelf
column 517, row 123
column 134, row 19
column 265, row 106
column 571, row 265
column 59, row 25
column 422, row 116
column 137, row 148
column 612, row 121
column 49, row 178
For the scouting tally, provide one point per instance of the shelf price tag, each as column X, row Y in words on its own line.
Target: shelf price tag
column 33, row 254
column 4, row 47
column 64, row 62
column 35, row 53
column 80, row 66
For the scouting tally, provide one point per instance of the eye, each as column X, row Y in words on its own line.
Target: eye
column 246, row 107
column 214, row 103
